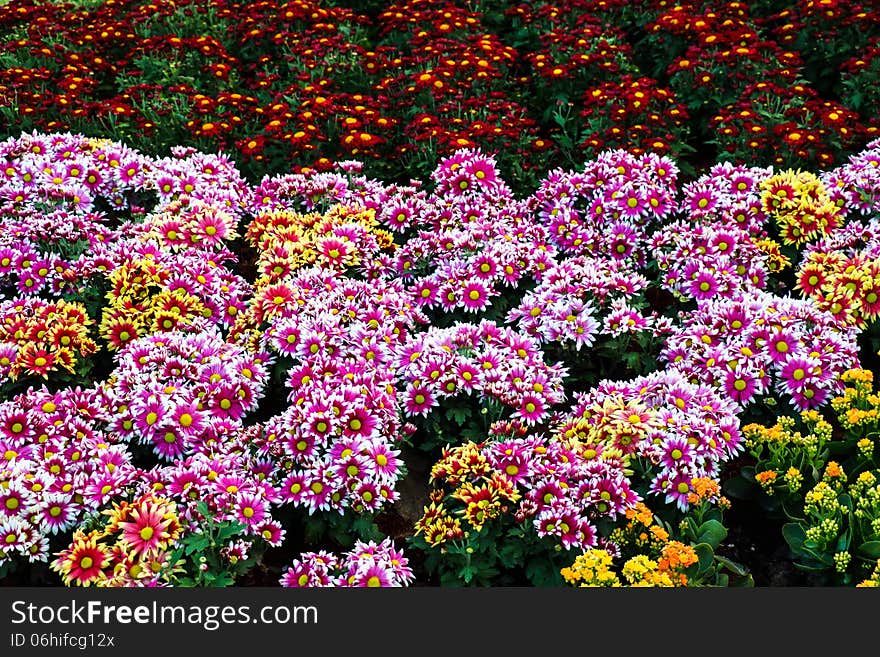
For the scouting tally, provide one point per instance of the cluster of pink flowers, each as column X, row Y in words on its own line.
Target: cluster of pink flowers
column 177, row 391
column 369, row 338
column 472, row 238
column 727, row 195
column 855, row 185
column 679, row 429
column 59, row 462
column 756, row 343
column 367, row 564
column 231, row 476
column 335, row 441
column 565, row 486
column 701, row 261
column 65, row 171
column 608, row 208
column 565, row 304
column 495, row 363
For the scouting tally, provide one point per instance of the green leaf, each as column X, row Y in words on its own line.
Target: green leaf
column 711, row 532
column 541, row 572
column 196, row 544
column 228, row 530
column 740, row 488
column 458, row 414
column 869, row 549
column 733, row 566
column 706, row 556
column 811, row 567
column 747, row 582
column 794, row 535
column 510, row 555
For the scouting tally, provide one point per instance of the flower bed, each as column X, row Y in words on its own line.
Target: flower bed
column 461, row 306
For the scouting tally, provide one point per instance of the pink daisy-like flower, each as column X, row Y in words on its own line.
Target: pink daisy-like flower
column 319, row 488
column 468, row 376
column 701, row 198
column 149, row 416
column 740, row 385
column 272, row 532
column 12, row 500
column 449, row 296
column 293, row 488
column 55, row 513
column 610, row 496
column 334, row 251
column 250, row 509
column 360, row 423
column 301, row 444
column 677, row 489
column 312, row 569
column 809, row 396
column 373, row 576
column 169, row 442
column 366, row 496
column 172, row 232
column 631, row 201
column 166, row 186
column 781, row 345
column 797, row 373
column 425, row 292
column 704, row 286
column 622, row 241
column 398, row 216
column 531, row 409
column 676, row 453
column 384, row 459
column 419, row 400
column 188, row 419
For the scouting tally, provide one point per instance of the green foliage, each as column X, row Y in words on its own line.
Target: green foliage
column 501, row 553
column 343, row 529
column 200, row 559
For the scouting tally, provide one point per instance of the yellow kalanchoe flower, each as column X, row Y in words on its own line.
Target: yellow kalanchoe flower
column 591, row 569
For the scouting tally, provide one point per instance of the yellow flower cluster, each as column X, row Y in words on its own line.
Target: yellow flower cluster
column 822, row 500
column 846, row 286
column 287, row 240
column 139, row 304
column 865, row 492
column 591, row 569
column 483, row 494
column 780, row 445
column 800, row 204
column 640, row 530
column 50, row 335
column 707, row 490
column 858, row 408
